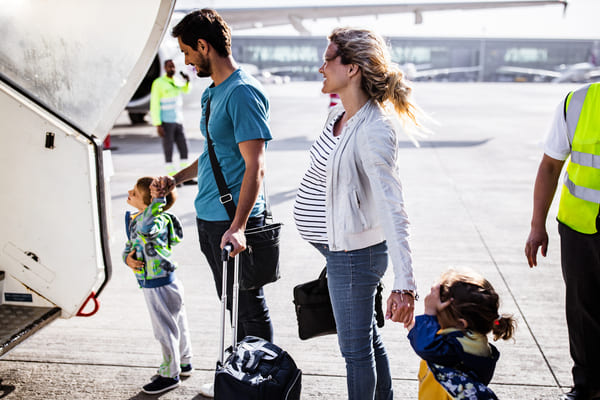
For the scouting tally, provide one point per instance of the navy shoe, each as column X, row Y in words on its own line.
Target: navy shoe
column 186, row 370
column 160, row 384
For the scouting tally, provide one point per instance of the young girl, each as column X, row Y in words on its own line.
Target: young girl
column 151, row 233
column 451, row 337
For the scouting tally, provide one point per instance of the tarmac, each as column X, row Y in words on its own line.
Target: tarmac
column 468, row 191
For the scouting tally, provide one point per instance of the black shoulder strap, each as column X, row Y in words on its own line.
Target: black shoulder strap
column 226, row 198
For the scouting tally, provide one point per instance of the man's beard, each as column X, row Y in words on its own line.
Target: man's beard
column 204, row 70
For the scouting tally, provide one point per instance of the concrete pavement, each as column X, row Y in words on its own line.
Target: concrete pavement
column 468, row 190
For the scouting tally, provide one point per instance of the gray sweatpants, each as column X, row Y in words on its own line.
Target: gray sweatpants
column 170, row 326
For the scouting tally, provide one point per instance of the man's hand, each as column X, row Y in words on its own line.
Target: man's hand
column 543, row 193
column 400, row 308
column 184, row 76
column 537, row 238
column 160, row 130
column 433, row 304
column 132, row 263
column 161, row 186
column 237, row 238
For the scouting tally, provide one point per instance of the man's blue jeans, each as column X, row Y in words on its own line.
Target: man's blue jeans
column 352, row 277
column 253, row 317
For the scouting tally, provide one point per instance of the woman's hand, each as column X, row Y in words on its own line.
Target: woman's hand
column 400, row 308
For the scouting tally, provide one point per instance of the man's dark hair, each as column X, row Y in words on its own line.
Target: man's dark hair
column 204, row 24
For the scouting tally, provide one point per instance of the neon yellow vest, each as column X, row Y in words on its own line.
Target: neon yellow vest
column 580, row 197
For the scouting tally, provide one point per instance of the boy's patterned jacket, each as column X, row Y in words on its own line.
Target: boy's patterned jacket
column 152, row 233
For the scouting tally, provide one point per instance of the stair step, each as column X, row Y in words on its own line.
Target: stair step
column 20, row 322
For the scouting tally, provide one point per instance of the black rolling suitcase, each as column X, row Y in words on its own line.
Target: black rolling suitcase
column 253, row 369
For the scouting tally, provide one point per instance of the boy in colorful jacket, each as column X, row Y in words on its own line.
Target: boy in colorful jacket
column 151, row 233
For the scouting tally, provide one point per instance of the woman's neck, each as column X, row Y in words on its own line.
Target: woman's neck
column 353, row 100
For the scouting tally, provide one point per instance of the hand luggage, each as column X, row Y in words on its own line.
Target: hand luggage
column 253, row 369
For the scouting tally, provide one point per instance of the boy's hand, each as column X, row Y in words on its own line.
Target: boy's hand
column 136, row 265
column 433, row 304
column 161, row 185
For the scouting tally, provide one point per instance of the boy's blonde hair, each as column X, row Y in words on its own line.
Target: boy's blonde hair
column 475, row 300
column 143, row 185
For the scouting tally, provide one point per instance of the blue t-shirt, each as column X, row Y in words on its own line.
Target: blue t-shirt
column 239, row 111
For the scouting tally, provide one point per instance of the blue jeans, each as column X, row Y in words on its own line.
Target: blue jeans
column 352, row 278
column 253, row 314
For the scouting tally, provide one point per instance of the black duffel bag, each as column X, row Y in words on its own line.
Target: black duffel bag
column 260, row 260
column 257, row 370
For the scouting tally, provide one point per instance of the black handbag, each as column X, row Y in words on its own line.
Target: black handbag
column 314, row 312
column 313, row 308
column 260, row 260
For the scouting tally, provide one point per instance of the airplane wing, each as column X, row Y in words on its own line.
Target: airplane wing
column 256, row 17
column 529, row 71
column 580, row 72
column 432, row 73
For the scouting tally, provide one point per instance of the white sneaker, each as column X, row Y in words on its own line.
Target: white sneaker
column 208, row 390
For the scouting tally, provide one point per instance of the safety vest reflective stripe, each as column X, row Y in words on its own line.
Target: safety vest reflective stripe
column 582, row 192
column 575, row 105
column 585, row 159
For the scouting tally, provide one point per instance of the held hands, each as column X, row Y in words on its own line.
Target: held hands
column 161, row 185
column 160, row 130
column 400, row 308
column 433, row 304
column 136, row 265
column 537, row 238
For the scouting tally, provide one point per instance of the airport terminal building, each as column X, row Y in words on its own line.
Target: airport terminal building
column 446, row 59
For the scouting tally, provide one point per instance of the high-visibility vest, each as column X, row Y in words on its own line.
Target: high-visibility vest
column 166, row 104
column 580, row 197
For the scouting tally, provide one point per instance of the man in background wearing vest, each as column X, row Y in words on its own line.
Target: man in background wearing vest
column 575, row 132
column 166, row 112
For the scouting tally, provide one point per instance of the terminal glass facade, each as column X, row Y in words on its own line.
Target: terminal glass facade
column 451, row 59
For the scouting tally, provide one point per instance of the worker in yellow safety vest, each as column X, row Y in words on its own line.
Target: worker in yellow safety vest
column 575, row 132
column 166, row 111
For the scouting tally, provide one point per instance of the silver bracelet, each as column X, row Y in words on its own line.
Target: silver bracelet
column 412, row 293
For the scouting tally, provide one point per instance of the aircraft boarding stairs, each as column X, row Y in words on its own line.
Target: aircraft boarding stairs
column 19, row 317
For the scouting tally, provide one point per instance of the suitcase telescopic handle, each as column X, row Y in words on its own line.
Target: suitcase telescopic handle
column 226, row 251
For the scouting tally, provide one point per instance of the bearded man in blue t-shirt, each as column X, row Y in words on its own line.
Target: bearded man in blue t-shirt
column 238, row 127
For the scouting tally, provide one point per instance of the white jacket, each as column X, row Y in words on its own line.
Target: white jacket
column 364, row 193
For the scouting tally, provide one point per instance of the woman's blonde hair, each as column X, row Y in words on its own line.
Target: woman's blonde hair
column 382, row 80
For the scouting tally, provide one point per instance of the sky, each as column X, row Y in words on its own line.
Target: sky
column 579, row 21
